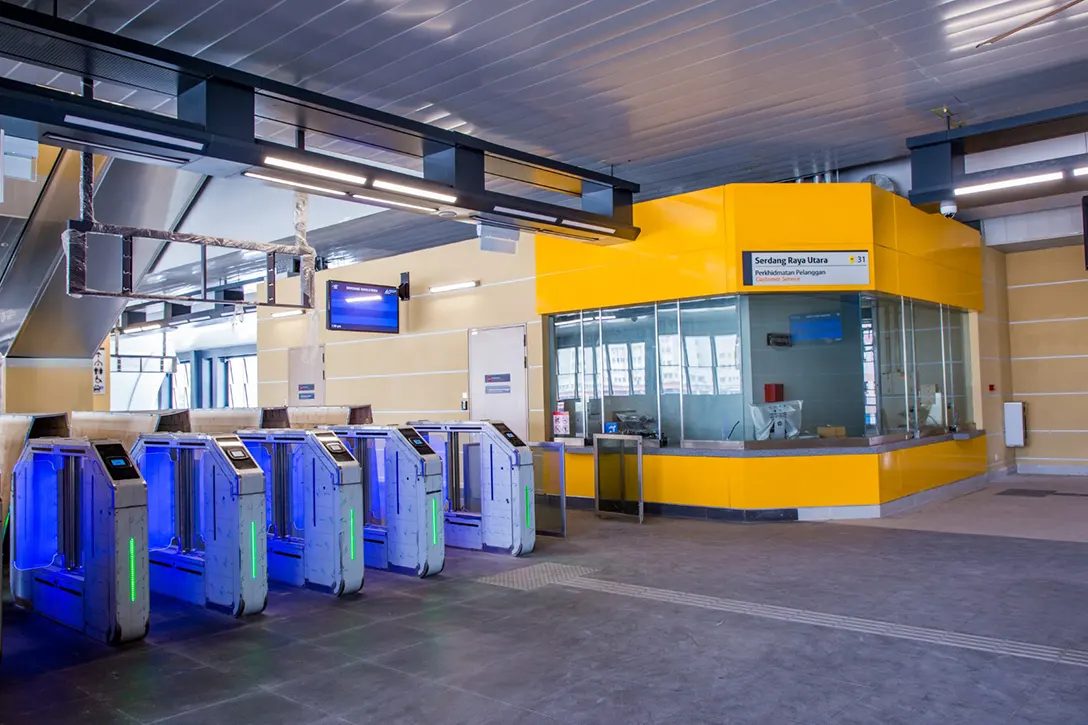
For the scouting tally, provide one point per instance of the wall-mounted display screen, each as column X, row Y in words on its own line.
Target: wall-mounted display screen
column 825, row 327
column 357, row 307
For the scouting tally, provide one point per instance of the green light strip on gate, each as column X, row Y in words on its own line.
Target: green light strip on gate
column 434, row 521
column 528, row 508
column 352, row 516
column 132, row 569
column 253, row 548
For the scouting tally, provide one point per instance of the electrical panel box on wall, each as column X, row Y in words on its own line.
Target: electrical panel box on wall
column 1016, row 425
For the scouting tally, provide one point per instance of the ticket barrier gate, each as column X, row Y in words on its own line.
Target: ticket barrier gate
column 403, row 523
column 206, row 520
column 79, row 537
column 314, row 504
column 488, row 485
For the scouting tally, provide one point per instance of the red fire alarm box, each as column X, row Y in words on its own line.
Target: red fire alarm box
column 774, row 393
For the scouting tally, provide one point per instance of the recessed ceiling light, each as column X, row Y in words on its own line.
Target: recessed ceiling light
column 589, row 227
column 525, row 214
column 287, row 313
column 454, row 286
column 413, row 191
column 314, row 170
column 109, row 149
column 401, row 204
column 1009, row 183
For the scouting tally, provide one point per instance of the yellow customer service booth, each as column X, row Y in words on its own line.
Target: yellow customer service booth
column 788, row 351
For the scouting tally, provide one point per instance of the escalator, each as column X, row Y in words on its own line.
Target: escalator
column 38, row 319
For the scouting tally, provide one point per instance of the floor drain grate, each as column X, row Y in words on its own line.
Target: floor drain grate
column 536, row 576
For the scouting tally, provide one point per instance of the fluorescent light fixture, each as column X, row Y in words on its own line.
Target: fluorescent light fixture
column 1009, row 183
column 199, row 319
column 287, row 313
column 455, row 286
column 1082, row 171
column 363, row 298
column 413, row 191
column 526, row 214
column 111, row 149
column 142, row 328
column 314, row 170
column 297, row 184
column 133, row 132
column 570, row 323
column 401, row 204
column 590, row 227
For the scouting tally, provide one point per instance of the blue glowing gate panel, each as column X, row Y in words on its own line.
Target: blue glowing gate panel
column 36, row 496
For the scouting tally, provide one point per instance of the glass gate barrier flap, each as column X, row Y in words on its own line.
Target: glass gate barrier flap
column 617, row 475
column 207, row 513
column 314, row 492
column 79, row 537
column 402, row 482
column 550, row 481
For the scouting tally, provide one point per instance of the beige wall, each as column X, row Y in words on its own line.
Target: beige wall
column 423, row 371
column 990, row 331
column 1048, row 334
column 47, row 386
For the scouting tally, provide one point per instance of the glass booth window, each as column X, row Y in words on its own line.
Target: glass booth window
column 669, row 371
column 930, row 374
column 629, row 397
column 811, row 346
column 713, row 391
column 567, row 388
column 959, row 370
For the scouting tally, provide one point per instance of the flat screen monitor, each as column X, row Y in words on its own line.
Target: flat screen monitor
column 356, row 307
column 824, row 327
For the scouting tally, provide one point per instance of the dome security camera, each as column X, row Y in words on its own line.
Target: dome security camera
column 949, row 209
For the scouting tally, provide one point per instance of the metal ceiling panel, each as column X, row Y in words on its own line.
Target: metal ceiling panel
column 677, row 94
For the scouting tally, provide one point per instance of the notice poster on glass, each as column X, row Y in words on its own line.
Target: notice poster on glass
column 566, row 359
column 698, row 351
column 638, row 382
column 701, row 380
column 617, row 356
column 621, row 382
column 670, row 379
column 729, row 381
column 638, row 356
column 668, row 349
column 725, row 348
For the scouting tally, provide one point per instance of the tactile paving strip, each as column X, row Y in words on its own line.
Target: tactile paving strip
column 854, row 624
column 528, row 578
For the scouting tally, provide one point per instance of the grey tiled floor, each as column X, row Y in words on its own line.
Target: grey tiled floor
column 451, row 651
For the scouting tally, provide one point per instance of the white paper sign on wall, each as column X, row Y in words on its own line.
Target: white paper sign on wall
column 805, row 269
column 98, row 371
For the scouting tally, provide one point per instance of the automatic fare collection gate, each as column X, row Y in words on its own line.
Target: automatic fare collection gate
column 488, row 484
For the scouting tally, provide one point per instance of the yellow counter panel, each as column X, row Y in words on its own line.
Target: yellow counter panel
column 793, row 481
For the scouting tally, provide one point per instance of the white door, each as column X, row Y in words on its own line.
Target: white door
column 497, row 388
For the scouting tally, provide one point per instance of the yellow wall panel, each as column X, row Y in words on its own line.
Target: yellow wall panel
column 886, row 270
column 680, row 253
column 802, row 481
column 939, row 241
column 769, row 217
column 910, row 470
column 687, row 480
column 578, row 469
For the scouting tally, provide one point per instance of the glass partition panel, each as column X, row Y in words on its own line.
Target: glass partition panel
column 370, row 453
column 960, row 384
column 669, row 370
column 869, row 365
column 37, row 487
column 713, row 396
column 617, row 474
column 892, row 344
column 929, row 368
column 549, row 483
column 157, row 468
column 630, row 395
column 811, row 345
column 568, row 393
column 593, row 380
